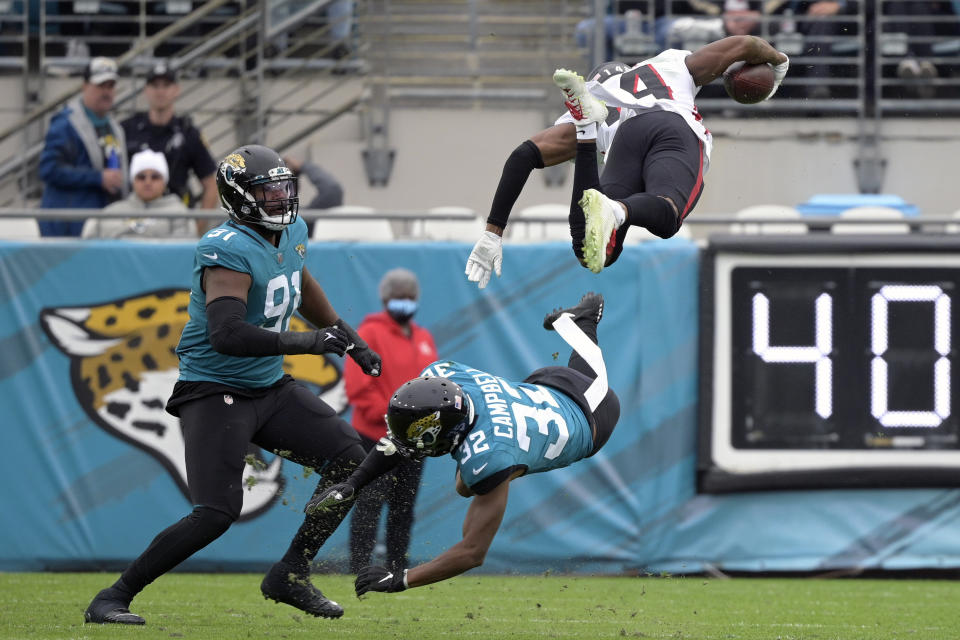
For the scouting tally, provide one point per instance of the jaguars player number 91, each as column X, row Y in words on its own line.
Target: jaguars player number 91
column 249, row 277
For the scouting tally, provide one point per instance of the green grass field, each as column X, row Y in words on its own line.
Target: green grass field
column 229, row 606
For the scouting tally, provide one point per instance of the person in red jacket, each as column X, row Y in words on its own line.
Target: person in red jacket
column 406, row 349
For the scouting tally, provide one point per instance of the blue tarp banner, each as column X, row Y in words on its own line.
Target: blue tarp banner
column 95, row 464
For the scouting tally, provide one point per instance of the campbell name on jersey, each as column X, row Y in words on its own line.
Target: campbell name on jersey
column 273, row 297
column 661, row 83
column 518, row 425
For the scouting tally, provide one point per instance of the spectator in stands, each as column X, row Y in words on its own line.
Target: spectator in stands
column 148, row 174
column 740, row 18
column 907, row 19
column 160, row 129
column 340, row 17
column 329, row 192
column 406, row 349
column 818, row 22
column 613, row 25
column 633, row 16
column 83, row 164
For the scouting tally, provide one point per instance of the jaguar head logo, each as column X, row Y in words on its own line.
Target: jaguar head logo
column 123, row 365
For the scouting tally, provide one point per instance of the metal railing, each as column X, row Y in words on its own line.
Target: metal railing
column 14, row 34
column 895, row 57
column 287, row 40
column 701, row 219
column 861, row 67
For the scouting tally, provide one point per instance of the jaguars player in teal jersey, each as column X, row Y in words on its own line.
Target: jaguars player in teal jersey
column 496, row 430
column 248, row 279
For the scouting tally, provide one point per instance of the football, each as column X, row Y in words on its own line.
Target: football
column 748, row 83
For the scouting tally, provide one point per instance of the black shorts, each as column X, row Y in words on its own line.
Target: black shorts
column 656, row 153
column 574, row 384
column 220, row 422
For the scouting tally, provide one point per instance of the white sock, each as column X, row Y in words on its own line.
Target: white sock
column 587, row 132
column 618, row 213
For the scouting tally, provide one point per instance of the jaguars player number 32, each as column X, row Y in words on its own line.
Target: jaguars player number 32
column 496, row 430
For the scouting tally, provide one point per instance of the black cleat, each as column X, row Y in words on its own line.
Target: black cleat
column 284, row 584
column 589, row 307
column 108, row 608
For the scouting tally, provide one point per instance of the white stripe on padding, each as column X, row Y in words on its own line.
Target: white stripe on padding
column 590, row 352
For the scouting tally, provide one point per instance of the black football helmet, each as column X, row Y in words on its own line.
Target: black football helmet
column 603, row 71
column 256, row 187
column 428, row 417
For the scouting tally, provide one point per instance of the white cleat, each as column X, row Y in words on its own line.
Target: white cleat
column 583, row 106
column 599, row 238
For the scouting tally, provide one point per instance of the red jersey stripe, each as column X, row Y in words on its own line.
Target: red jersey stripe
column 697, row 187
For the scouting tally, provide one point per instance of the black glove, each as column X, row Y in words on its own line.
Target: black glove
column 326, row 340
column 362, row 354
column 379, row 579
column 330, row 497
column 331, row 340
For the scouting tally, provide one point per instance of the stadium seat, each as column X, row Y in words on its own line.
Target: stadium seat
column 953, row 227
column 19, row 229
column 520, row 230
column 638, row 235
column 767, row 212
column 871, row 212
column 369, row 228
column 455, row 230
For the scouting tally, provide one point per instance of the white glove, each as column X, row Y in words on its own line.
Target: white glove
column 487, row 256
column 779, row 73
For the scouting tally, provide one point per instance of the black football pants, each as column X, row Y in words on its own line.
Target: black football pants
column 290, row 421
column 652, row 155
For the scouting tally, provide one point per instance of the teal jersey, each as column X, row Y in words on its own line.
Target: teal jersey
column 273, row 297
column 518, row 425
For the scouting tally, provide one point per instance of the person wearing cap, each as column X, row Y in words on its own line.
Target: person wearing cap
column 83, row 164
column 406, row 348
column 148, row 175
column 160, row 129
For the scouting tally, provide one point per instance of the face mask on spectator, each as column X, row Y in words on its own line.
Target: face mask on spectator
column 401, row 309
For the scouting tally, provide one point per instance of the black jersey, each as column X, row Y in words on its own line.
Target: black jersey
column 180, row 143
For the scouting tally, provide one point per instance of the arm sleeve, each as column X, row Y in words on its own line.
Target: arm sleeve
column 518, row 167
column 373, row 466
column 232, row 335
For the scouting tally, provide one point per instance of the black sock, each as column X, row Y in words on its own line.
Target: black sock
column 576, row 362
column 320, row 525
column 653, row 213
column 586, row 175
column 173, row 545
column 122, row 591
